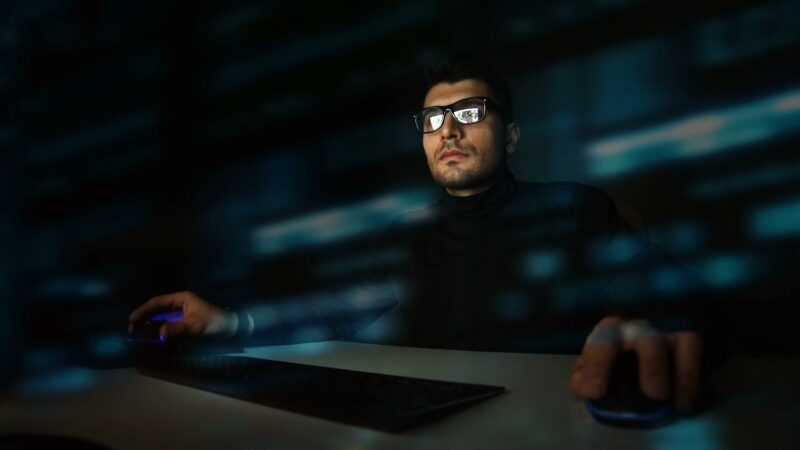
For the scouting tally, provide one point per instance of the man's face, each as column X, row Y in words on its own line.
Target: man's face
column 465, row 159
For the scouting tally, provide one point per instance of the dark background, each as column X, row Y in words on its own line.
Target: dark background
column 155, row 146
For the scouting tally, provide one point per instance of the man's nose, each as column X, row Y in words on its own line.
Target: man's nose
column 451, row 128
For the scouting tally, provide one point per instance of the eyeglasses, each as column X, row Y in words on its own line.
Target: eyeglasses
column 467, row 111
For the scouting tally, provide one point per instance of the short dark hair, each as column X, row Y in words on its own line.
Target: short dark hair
column 452, row 69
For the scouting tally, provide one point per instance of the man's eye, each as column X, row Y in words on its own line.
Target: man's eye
column 436, row 120
column 468, row 115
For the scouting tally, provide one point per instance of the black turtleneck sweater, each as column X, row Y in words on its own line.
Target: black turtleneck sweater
column 520, row 267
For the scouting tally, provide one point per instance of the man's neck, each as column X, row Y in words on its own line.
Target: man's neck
column 469, row 192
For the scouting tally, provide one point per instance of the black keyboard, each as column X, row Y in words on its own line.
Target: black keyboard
column 385, row 402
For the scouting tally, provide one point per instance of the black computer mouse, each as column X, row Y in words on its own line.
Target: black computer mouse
column 145, row 339
column 146, row 332
column 624, row 403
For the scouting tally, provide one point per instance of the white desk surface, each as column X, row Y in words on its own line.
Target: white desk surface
column 758, row 408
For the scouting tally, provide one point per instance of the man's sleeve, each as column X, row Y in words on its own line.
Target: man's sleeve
column 328, row 315
column 639, row 279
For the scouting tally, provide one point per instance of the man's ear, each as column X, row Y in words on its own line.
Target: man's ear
column 512, row 137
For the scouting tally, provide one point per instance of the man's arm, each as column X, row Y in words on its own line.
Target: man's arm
column 654, row 307
column 322, row 316
column 335, row 314
column 199, row 318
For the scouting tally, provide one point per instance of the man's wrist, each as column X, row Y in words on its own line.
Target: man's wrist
column 243, row 328
column 232, row 324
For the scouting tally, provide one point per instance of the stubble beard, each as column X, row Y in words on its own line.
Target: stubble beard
column 458, row 178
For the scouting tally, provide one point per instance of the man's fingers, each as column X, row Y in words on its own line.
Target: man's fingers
column 599, row 352
column 654, row 370
column 575, row 377
column 181, row 328
column 162, row 302
column 688, row 349
column 655, row 352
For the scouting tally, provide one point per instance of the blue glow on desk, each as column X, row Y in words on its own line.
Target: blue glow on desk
column 694, row 433
column 57, row 382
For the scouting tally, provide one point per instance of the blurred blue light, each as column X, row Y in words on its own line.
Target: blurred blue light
column 695, row 136
column 542, row 264
column 616, row 250
column 777, row 220
column 727, row 270
column 76, row 286
column 337, row 224
column 787, row 103
column 42, row 359
column 671, row 281
column 109, row 345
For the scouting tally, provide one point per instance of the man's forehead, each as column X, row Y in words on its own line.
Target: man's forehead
column 447, row 93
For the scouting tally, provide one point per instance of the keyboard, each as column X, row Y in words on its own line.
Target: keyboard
column 384, row 402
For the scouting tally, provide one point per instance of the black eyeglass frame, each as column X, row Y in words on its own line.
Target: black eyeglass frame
column 486, row 102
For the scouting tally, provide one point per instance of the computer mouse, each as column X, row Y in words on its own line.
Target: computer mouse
column 624, row 403
column 146, row 331
column 145, row 339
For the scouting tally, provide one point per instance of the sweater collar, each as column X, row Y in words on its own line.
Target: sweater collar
column 479, row 204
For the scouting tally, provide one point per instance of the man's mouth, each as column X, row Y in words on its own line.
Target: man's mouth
column 452, row 154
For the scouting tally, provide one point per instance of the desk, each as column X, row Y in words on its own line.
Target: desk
column 758, row 408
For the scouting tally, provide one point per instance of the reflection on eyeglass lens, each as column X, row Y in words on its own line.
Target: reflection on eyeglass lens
column 467, row 111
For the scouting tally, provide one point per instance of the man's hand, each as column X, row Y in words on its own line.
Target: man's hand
column 200, row 318
column 612, row 335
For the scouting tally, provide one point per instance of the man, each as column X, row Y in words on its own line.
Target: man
column 468, row 255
